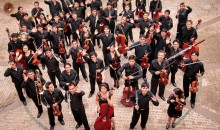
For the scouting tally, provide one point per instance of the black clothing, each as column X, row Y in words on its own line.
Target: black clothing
column 29, row 24
column 96, row 5
column 167, row 23
column 75, row 26
column 111, row 60
column 18, row 16
column 54, row 8
column 172, row 112
column 153, row 7
column 155, row 66
column 80, row 12
column 161, row 43
column 16, row 76
column 38, row 37
column 187, row 34
column 68, row 78
column 28, row 60
column 55, row 39
column 50, row 99
column 36, row 13
column 12, row 46
column 143, row 103
column 112, row 12
column 143, row 24
column 78, row 109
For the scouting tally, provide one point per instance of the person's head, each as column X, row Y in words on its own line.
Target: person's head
column 72, row 88
column 25, row 48
column 145, row 16
column 178, row 93
column 144, row 88
column 25, row 16
column 74, row 15
column 48, row 52
column 163, row 32
column 127, row 7
column 189, row 24
column 176, row 44
column 93, row 56
column 155, row 0
column 123, row 19
column 109, row 5
column 182, row 6
column 142, row 39
column 112, row 48
column 42, row 16
column 53, row 1
column 20, row 9
column 152, row 27
column 94, row 11
column 106, row 29
column 23, row 28
column 67, row 67
column 195, row 56
column 76, row 5
column 85, row 29
column 161, row 55
column 36, row 4
column 74, row 44
column 104, row 87
column 14, row 37
column 40, row 27
column 12, row 63
column 167, row 13
column 49, row 86
column 62, row 14
column 54, row 28
column 131, row 60
column 30, row 74
column 56, row 17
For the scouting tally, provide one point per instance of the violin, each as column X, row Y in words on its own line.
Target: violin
column 79, row 58
column 99, row 76
column 159, row 13
column 56, row 111
column 80, row 28
column 46, row 45
column 144, row 63
column 66, row 24
column 127, row 92
column 149, row 38
column 121, row 39
column 179, row 106
column 103, row 122
column 115, row 63
column 190, row 43
column 61, row 47
column 139, row 13
column 164, row 76
column 86, row 44
column 35, row 60
column 194, row 86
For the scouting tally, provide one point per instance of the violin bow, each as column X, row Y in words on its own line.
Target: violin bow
column 56, row 58
column 35, row 52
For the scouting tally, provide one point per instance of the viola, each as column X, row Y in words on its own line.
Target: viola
column 127, row 92
column 144, row 63
column 121, row 39
column 79, row 58
column 190, row 43
column 86, row 44
column 61, row 47
column 103, row 122
column 99, row 76
column 194, row 86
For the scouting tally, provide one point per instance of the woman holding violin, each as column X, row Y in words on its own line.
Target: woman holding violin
column 194, row 70
column 104, row 96
column 86, row 40
column 176, row 102
column 114, row 64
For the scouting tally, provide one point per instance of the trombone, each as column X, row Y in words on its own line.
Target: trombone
column 39, row 88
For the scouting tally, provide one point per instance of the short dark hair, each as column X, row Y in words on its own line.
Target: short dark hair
column 30, row 71
column 178, row 92
column 36, row 2
column 39, row 25
column 182, row 3
column 142, row 36
column 11, row 61
column 146, row 13
column 145, row 84
column 168, row 11
column 189, row 21
column 92, row 54
column 161, row 51
column 72, row 84
column 47, row 49
column 20, row 7
column 14, row 35
column 67, row 64
column 196, row 53
column 132, row 57
column 25, row 14
column 104, row 84
column 48, row 84
column 176, row 40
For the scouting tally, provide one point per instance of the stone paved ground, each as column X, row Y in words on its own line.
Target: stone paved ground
column 206, row 115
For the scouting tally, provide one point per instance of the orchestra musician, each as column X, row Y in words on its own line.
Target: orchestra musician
column 192, row 73
column 35, row 12
column 54, row 6
column 155, row 8
column 165, row 21
column 19, row 14
column 141, row 99
column 77, row 107
column 52, row 99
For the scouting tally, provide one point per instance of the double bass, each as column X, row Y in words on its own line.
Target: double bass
column 103, row 122
column 194, row 86
column 190, row 43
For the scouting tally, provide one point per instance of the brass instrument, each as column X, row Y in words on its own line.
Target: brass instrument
column 8, row 7
column 126, row 2
column 39, row 88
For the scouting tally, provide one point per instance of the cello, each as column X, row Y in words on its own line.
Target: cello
column 121, row 39
column 159, row 13
column 194, row 86
column 190, row 43
column 103, row 122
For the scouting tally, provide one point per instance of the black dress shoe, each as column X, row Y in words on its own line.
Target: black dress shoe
column 24, row 103
column 90, row 95
column 173, row 125
column 86, row 79
column 78, row 125
column 62, row 122
column 163, row 98
column 174, row 84
column 143, row 128
column 39, row 114
column 51, row 127
column 192, row 105
column 167, row 126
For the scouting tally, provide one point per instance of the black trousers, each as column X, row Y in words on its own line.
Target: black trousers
column 112, row 26
column 92, row 83
column 154, row 86
column 144, row 71
column 144, row 117
column 186, row 82
column 53, row 75
column 51, row 116
column 35, row 100
column 19, row 91
column 131, row 34
column 105, row 53
column 81, row 66
column 127, row 45
column 134, row 84
column 179, row 28
column 80, row 117
column 173, row 70
column 93, row 38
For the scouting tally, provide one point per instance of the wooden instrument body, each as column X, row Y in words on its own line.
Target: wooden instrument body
column 99, row 76
column 163, row 78
column 194, row 87
column 79, row 58
column 56, row 111
column 121, row 39
column 61, row 47
column 125, row 99
column 144, row 63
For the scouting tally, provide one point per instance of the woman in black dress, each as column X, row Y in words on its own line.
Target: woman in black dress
column 67, row 29
column 114, row 64
column 104, row 96
column 176, row 102
column 86, row 36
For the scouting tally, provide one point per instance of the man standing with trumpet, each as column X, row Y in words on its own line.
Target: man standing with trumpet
column 52, row 98
column 34, row 87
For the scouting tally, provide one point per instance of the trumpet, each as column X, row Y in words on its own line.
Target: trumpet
column 39, row 87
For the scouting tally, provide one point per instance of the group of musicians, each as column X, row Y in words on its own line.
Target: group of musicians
column 44, row 39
